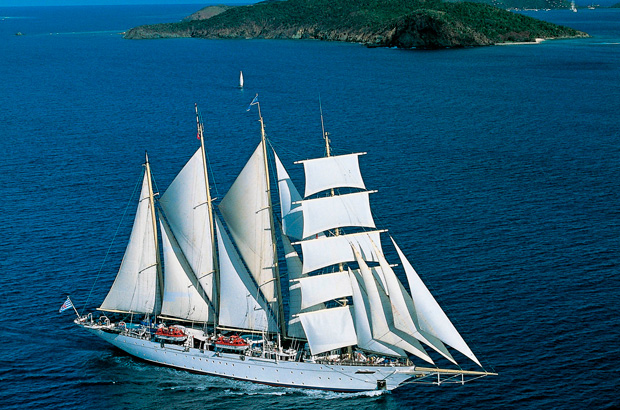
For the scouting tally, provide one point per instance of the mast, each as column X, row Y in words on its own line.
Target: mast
column 272, row 226
column 325, row 134
column 216, row 302
column 328, row 153
column 160, row 276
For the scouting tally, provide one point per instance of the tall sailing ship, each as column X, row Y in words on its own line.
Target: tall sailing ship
column 214, row 303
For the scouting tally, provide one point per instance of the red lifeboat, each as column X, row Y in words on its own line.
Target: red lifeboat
column 171, row 334
column 235, row 343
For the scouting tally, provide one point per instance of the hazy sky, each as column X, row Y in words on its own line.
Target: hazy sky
column 11, row 3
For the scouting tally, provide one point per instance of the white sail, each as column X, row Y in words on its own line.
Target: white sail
column 135, row 287
column 325, row 251
column 362, row 321
column 186, row 209
column 241, row 304
column 403, row 310
column 329, row 329
column 431, row 317
column 326, row 213
column 246, row 211
column 321, row 288
column 292, row 217
column 293, row 264
column 181, row 299
column 382, row 322
column 240, row 79
column 332, row 172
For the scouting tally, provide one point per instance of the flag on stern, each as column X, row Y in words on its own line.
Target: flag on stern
column 66, row 305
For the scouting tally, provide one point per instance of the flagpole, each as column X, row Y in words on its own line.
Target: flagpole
column 73, row 306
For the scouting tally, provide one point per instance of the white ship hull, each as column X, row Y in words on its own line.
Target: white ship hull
column 339, row 378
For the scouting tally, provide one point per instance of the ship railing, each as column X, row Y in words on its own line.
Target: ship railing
column 360, row 363
column 436, row 376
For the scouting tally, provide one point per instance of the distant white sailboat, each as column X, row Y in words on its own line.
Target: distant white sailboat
column 351, row 325
column 240, row 79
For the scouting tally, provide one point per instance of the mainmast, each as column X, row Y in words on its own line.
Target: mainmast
column 160, row 276
column 272, row 226
column 216, row 302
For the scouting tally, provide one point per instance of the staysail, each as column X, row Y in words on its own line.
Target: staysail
column 242, row 305
column 382, row 321
column 184, row 298
column 245, row 209
column 431, row 317
column 361, row 306
column 186, row 208
column 135, row 288
column 403, row 310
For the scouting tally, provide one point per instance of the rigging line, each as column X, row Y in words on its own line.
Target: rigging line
column 211, row 174
column 112, row 243
column 201, row 127
column 209, row 165
column 283, row 146
column 156, row 188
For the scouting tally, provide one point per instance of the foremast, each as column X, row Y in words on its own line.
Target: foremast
column 216, row 301
column 160, row 276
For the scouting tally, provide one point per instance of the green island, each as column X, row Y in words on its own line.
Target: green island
column 421, row 24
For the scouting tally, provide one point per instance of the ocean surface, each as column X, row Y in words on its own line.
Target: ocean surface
column 497, row 172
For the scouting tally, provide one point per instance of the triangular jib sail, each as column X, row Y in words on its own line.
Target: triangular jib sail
column 245, row 209
column 184, row 297
column 135, row 289
column 186, row 209
column 242, row 304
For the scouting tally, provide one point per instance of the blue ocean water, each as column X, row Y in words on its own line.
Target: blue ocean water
column 497, row 170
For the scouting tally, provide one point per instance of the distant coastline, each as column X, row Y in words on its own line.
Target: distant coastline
column 421, row 24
